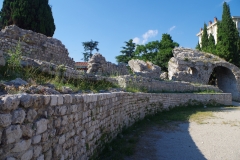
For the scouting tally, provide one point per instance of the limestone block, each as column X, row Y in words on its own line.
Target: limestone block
column 41, row 126
column 28, row 155
column 48, row 155
column 9, row 103
column 13, row 133
column 61, row 110
column 46, row 99
column 41, row 157
column 37, row 150
column 61, row 139
column 60, row 100
column 18, row 116
column 26, row 100
column 5, row 120
column 67, row 99
column 36, row 139
column 64, row 120
column 31, row 115
column 72, row 109
column 27, row 130
column 54, row 100
column 57, row 151
column 21, row 146
column 45, row 136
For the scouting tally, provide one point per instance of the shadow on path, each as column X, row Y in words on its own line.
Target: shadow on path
column 173, row 141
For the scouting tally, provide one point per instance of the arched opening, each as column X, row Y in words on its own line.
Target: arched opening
column 225, row 80
column 193, row 71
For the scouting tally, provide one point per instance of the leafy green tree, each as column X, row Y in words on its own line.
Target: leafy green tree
column 128, row 52
column 198, row 47
column 148, row 52
column 35, row 15
column 204, row 39
column 211, row 48
column 165, row 53
column 227, row 37
column 88, row 48
column 157, row 52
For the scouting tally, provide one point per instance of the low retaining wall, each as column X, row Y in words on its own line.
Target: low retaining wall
column 75, row 126
column 157, row 85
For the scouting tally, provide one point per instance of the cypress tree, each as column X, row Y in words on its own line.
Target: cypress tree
column 198, row 47
column 204, row 38
column 35, row 15
column 211, row 45
column 227, row 37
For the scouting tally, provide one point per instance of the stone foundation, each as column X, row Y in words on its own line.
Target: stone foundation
column 77, row 126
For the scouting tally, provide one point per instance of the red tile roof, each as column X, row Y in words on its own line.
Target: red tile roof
column 81, row 64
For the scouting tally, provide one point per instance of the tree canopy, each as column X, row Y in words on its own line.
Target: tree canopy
column 88, row 48
column 157, row 52
column 227, row 37
column 128, row 52
column 35, row 15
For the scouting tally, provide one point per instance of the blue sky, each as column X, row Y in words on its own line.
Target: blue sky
column 111, row 22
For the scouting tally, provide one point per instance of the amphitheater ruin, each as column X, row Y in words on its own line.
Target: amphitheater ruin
column 76, row 126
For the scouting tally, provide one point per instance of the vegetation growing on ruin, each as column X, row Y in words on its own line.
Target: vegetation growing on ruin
column 13, row 70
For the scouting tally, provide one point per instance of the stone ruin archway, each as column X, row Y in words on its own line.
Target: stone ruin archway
column 224, row 79
column 196, row 67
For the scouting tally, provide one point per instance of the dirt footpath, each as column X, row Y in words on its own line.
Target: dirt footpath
column 217, row 138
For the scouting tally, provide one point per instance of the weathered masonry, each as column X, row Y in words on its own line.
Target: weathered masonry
column 34, row 45
column 76, row 126
column 198, row 67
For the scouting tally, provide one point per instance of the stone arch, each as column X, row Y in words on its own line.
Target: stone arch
column 225, row 79
column 192, row 71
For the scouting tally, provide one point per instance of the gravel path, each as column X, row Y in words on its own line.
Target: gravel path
column 218, row 138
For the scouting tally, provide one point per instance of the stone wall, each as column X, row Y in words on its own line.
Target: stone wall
column 152, row 85
column 76, row 126
column 194, row 66
column 34, row 45
column 98, row 65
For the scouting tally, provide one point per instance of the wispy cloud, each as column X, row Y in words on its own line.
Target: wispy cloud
column 172, row 28
column 145, row 37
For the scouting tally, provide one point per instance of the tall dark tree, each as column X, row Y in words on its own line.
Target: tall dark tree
column 211, row 48
column 227, row 37
column 88, row 48
column 127, row 52
column 165, row 53
column 35, row 15
column 204, row 44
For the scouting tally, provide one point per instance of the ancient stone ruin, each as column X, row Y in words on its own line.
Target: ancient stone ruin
column 197, row 67
column 145, row 69
column 98, row 65
column 34, row 45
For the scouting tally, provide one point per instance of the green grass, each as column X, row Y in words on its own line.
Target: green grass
column 41, row 78
column 125, row 143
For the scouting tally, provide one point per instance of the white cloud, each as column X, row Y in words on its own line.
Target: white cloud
column 145, row 37
column 136, row 40
column 172, row 28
